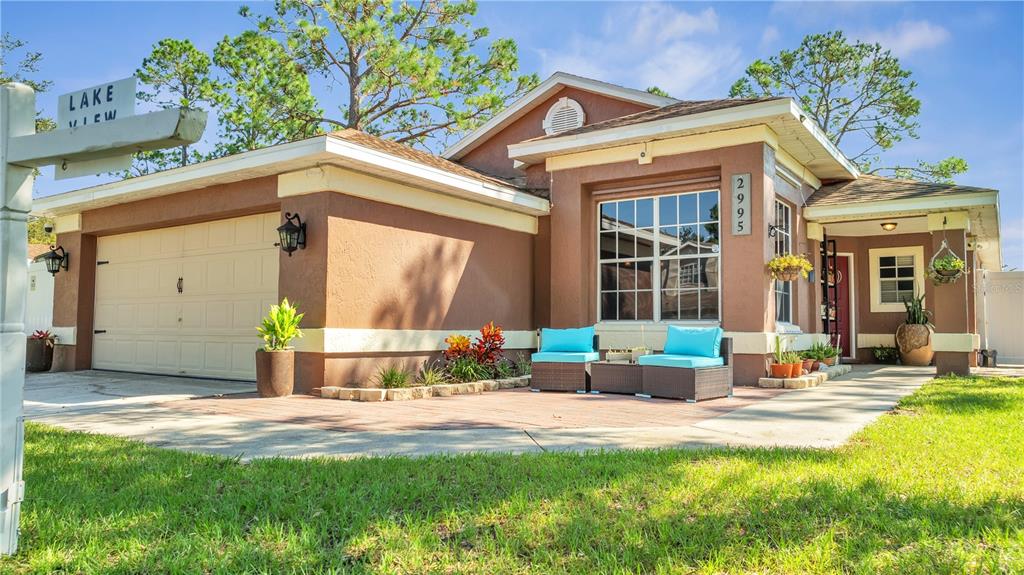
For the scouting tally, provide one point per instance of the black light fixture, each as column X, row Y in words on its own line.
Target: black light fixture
column 773, row 230
column 56, row 259
column 292, row 233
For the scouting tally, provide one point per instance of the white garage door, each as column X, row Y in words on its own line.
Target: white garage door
column 185, row 300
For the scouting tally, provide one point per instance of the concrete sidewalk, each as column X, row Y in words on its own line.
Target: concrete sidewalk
column 820, row 417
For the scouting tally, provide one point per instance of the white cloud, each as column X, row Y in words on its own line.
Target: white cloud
column 769, row 35
column 654, row 44
column 909, row 36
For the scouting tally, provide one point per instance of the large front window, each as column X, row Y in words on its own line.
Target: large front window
column 659, row 258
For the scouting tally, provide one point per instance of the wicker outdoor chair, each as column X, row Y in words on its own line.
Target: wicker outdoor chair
column 562, row 371
column 690, row 383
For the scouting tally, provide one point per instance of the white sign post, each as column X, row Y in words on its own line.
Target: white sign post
column 21, row 150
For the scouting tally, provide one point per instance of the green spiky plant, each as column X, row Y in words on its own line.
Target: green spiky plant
column 280, row 326
column 916, row 314
column 391, row 377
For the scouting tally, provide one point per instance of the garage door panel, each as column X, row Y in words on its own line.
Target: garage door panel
column 229, row 277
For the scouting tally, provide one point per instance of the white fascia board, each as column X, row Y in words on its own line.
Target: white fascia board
column 822, row 138
column 905, row 205
column 470, row 188
column 532, row 151
column 544, row 90
column 230, row 168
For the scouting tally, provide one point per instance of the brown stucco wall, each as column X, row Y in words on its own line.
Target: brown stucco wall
column 747, row 304
column 491, row 157
column 74, row 289
column 370, row 265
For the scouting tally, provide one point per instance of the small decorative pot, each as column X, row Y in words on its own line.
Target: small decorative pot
column 779, row 370
column 796, row 369
column 815, row 365
column 829, row 361
column 808, row 365
column 915, row 344
column 275, row 373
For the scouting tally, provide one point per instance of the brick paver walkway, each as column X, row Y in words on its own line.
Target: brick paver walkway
column 514, row 408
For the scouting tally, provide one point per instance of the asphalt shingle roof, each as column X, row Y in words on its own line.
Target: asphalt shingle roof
column 684, row 108
column 868, row 188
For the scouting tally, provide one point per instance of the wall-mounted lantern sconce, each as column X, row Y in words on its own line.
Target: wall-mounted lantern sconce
column 292, row 233
column 888, row 226
column 56, row 259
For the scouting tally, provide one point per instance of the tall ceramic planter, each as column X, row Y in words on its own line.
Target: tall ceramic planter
column 275, row 373
column 38, row 355
column 915, row 344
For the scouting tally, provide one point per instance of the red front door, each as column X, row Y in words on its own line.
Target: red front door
column 843, row 304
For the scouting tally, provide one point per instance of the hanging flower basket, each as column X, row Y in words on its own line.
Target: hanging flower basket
column 945, row 266
column 788, row 267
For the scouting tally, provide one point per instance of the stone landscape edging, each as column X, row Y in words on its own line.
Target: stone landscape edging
column 422, row 391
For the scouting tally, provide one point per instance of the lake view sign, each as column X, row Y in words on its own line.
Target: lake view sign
column 106, row 102
column 103, row 103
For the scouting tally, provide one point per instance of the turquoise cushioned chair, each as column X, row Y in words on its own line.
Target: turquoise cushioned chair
column 560, row 363
column 696, row 365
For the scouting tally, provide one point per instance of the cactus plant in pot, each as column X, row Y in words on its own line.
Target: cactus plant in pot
column 914, row 335
column 275, row 363
column 39, row 351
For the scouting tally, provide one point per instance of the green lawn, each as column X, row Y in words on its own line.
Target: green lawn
column 936, row 487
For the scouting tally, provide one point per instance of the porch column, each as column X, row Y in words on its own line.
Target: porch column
column 73, row 297
column 953, row 340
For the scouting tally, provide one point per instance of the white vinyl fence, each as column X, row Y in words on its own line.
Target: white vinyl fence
column 39, row 306
column 1000, row 312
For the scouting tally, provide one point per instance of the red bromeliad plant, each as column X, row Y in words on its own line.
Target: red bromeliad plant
column 45, row 335
column 486, row 350
column 489, row 345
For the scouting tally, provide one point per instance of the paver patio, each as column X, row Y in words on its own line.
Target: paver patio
column 181, row 414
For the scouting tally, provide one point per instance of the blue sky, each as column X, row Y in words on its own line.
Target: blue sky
column 968, row 59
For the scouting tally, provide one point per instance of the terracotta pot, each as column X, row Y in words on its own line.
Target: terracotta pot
column 275, row 373
column 796, row 369
column 829, row 361
column 815, row 365
column 915, row 344
column 779, row 370
column 38, row 355
column 808, row 365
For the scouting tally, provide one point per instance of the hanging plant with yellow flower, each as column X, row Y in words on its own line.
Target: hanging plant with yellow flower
column 788, row 267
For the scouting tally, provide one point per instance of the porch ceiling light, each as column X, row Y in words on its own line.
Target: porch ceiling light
column 56, row 259
column 292, row 234
column 889, row 226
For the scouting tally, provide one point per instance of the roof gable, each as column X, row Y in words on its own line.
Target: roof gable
column 540, row 94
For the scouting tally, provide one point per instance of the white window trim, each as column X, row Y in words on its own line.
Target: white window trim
column 656, row 289
column 786, row 326
column 876, row 293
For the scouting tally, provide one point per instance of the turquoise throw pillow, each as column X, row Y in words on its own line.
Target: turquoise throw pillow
column 699, row 341
column 572, row 340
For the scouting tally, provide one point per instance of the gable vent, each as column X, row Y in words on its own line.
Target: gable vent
column 565, row 114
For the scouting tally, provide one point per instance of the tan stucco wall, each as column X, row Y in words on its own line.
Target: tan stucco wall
column 492, row 156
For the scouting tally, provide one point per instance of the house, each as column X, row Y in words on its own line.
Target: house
column 582, row 203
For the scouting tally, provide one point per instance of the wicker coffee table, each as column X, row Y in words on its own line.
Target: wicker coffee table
column 616, row 377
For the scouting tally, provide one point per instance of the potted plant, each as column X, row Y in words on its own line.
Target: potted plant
column 831, row 354
column 946, row 268
column 914, row 335
column 810, row 364
column 796, row 365
column 779, row 369
column 275, row 363
column 39, row 351
column 821, row 353
column 886, row 354
column 788, row 267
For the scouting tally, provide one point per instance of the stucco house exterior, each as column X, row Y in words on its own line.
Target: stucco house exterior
column 582, row 203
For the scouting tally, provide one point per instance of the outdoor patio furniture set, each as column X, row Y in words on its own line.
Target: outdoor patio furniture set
column 696, row 365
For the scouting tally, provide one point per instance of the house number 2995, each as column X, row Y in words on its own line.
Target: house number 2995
column 741, row 204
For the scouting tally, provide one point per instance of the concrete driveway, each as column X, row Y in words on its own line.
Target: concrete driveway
column 102, row 391
column 164, row 411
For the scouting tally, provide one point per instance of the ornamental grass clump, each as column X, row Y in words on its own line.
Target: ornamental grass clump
column 391, row 377
column 788, row 267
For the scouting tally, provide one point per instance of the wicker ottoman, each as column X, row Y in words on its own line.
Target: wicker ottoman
column 615, row 377
column 691, row 384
